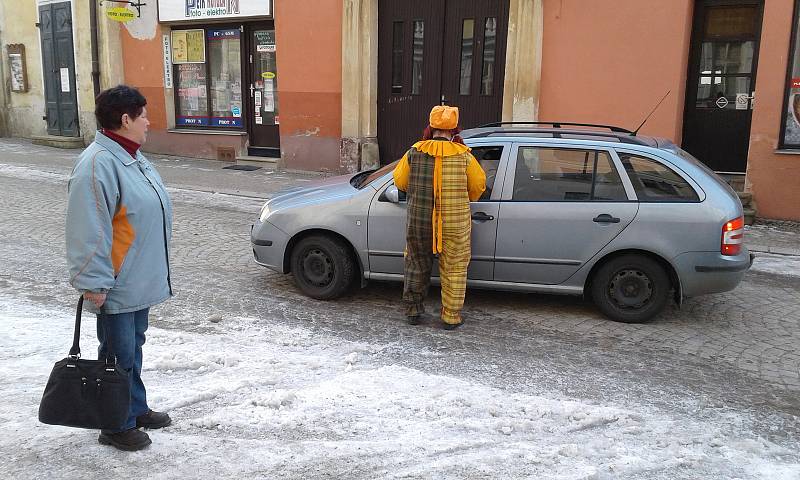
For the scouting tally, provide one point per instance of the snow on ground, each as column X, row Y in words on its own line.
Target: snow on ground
column 254, row 399
column 777, row 264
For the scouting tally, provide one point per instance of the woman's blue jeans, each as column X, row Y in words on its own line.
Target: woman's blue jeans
column 123, row 335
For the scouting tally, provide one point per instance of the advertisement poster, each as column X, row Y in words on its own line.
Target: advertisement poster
column 17, row 75
column 195, row 44
column 65, row 80
column 791, row 130
column 180, row 52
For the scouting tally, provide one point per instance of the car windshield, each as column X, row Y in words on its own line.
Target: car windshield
column 362, row 179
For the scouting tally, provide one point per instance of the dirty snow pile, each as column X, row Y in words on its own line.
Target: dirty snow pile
column 254, row 399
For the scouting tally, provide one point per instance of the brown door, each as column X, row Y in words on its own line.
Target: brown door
column 437, row 51
column 721, row 82
column 263, row 114
column 473, row 67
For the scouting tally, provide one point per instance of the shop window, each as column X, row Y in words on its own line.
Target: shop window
column 790, row 131
column 208, row 74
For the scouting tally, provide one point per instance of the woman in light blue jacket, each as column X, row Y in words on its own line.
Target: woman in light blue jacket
column 118, row 228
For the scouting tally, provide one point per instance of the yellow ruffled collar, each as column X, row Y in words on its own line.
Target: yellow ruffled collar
column 440, row 148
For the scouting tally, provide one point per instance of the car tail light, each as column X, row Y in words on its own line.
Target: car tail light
column 732, row 237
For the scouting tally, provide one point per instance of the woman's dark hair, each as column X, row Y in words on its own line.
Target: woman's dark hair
column 111, row 104
column 427, row 134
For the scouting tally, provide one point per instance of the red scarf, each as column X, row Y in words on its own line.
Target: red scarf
column 129, row 145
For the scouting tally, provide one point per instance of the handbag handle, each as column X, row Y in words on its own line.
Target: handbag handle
column 75, row 351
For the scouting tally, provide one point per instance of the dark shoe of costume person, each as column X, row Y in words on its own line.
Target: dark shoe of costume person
column 152, row 420
column 452, row 326
column 130, row 440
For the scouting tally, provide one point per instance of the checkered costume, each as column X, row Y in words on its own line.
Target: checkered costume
column 440, row 178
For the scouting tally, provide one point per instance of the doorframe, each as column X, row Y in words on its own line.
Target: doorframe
column 73, row 12
column 247, row 72
column 693, row 65
column 521, row 85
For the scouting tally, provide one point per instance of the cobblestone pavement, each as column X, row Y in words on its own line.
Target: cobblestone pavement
column 734, row 351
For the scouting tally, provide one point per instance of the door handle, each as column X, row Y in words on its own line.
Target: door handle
column 482, row 217
column 605, row 218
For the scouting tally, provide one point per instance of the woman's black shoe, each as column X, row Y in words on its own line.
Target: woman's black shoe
column 129, row 440
column 153, row 420
column 413, row 319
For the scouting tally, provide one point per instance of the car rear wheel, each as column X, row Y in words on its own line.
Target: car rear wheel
column 631, row 288
column 323, row 267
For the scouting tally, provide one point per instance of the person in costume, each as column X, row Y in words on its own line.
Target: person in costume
column 440, row 177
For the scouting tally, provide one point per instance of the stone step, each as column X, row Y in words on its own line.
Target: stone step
column 58, row 142
column 749, row 216
column 745, row 197
column 266, row 162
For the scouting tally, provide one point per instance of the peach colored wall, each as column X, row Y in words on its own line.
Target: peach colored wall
column 773, row 178
column 610, row 62
column 143, row 64
column 309, row 54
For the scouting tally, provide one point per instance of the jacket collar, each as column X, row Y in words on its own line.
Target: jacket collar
column 115, row 148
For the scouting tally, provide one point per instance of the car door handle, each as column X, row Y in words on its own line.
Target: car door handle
column 605, row 218
column 482, row 217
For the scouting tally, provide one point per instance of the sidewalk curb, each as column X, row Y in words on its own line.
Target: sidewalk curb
column 789, row 252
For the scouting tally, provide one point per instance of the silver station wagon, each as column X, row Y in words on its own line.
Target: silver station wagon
column 628, row 220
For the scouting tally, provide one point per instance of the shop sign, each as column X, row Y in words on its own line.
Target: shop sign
column 183, row 10
column 120, row 14
column 268, row 75
column 167, row 62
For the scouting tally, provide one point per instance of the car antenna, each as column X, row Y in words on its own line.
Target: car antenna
column 633, row 134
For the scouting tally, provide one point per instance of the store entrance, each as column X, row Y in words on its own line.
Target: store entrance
column 262, row 90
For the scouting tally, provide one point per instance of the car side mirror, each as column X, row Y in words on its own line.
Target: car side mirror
column 391, row 194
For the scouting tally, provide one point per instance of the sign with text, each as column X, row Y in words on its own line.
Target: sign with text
column 183, row 10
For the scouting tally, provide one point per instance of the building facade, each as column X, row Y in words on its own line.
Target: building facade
column 343, row 85
column 49, row 68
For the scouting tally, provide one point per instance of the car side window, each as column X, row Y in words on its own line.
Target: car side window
column 566, row 175
column 489, row 158
column 655, row 182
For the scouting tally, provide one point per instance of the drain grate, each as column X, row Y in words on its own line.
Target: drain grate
column 248, row 168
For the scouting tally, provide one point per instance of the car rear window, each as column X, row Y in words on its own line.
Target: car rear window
column 656, row 182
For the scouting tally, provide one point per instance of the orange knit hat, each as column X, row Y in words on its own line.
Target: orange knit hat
column 444, row 117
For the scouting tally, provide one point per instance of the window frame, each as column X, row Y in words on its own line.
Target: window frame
column 511, row 172
column 792, row 55
column 207, row 64
column 698, row 190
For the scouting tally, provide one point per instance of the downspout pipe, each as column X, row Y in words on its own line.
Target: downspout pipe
column 95, row 48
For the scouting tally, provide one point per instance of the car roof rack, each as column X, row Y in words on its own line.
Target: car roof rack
column 621, row 137
column 613, row 128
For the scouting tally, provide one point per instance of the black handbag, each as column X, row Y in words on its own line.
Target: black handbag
column 86, row 393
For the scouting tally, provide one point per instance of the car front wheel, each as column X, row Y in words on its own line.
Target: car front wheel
column 323, row 267
column 631, row 288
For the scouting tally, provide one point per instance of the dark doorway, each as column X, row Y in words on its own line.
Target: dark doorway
column 58, row 66
column 264, row 117
column 437, row 51
column 721, row 82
